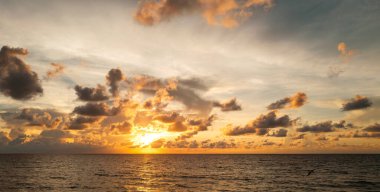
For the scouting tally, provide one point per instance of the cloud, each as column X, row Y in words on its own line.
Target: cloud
column 346, row 54
column 113, row 78
column 17, row 80
column 91, row 94
column 194, row 83
column 48, row 118
column 202, row 124
column 335, row 71
column 344, row 51
column 158, row 143
column 35, row 116
column 261, row 125
column 96, row 109
column 54, row 134
column 175, row 120
column 177, row 126
column 169, row 117
column 279, row 133
column 191, row 99
column 57, row 70
column 218, row 144
column 203, row 144
column 185, row 91
column 298, row 137
column 181, row 144
column 359, row 102
column 326, row 126
column 373, row 128
column 4, row 138
column 197, row 125
column 226, row 13
column 230, row 105
column 82, row 122
column 295, row 101
column 366, row 135
column 122, row 128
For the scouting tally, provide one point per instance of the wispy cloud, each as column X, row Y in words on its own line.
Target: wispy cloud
column 226, row 13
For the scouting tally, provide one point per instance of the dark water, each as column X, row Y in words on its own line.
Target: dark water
column 189, row 173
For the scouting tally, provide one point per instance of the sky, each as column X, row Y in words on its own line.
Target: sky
column 199, row 76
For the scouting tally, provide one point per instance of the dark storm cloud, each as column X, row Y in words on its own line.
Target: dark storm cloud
column 373, row 128
column 113, row 78
column 326, row 126
column 230, row 105
column 91, row 94
column 261, row 125
column 17, row 80
column 96, row 109
column 295, row 101
column 359, row 102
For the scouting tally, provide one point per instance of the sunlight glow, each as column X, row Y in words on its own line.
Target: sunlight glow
column 144, row 136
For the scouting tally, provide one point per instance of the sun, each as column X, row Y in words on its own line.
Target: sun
column 144, row 136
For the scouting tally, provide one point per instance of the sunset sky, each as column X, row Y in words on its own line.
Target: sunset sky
column 189, row 76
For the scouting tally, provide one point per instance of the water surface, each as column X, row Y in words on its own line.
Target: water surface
column 189, row 172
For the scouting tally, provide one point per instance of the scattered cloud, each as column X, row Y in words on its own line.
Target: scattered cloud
column 113, row 78
column 96, row 109
column 226, row 106
column 91, row 94
column 279, row 133
column 326, row 126
column 359, row 102
column 344, row 51
column 261, row 125
column 295, row 101
column 57, row 70
column 17, row 80
column 373, row 128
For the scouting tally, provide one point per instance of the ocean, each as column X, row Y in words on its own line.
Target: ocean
column 189, row 172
